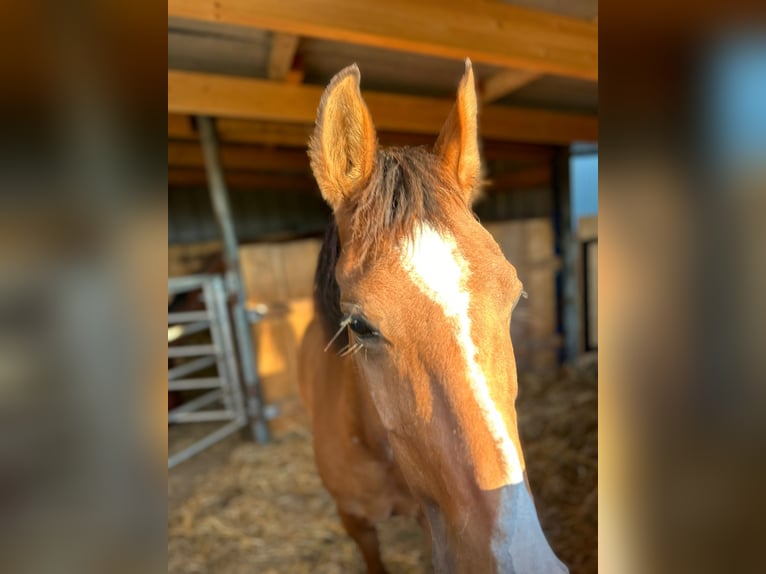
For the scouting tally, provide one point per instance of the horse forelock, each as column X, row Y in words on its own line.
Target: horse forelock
column 408, row 186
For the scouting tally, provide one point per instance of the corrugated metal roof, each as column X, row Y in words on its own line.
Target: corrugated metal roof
column 386, row 70
column 196, row 46
column 239, row 51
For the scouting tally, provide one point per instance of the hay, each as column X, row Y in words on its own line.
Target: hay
column 263, row 509
column 558, row 422
column 243, row 508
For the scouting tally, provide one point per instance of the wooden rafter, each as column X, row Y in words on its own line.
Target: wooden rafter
column 180, row 127
column 505, row 82
column 535, row 176
column 282, row 55
column 225, row 96
column 195, row 177
column 262, row 133
column 188, row 154
column 488, row 32
column 525, row 178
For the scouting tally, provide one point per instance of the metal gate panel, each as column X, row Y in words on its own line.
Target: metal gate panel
column 224, row 388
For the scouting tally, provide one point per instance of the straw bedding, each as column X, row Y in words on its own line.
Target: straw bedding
column 243, row 508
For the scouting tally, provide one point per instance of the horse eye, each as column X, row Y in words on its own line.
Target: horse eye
column 362, row 328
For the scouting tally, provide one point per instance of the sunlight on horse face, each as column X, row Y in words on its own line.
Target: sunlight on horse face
column 428, row 297
column 440, row 363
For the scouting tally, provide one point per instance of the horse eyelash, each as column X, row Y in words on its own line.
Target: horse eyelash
column 343, row 324
column 350, row 349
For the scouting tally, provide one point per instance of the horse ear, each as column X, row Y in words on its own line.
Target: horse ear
column 458, row 142
column 342, row 147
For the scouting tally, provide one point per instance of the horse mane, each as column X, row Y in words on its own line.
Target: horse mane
column 407, row 187
column 326, row 289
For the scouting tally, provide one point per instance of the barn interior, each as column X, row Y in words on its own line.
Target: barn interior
column 245, row 226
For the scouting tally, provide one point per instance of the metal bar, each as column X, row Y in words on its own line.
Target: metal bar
column 202, row 416
column 190, row 367
column 188, row 317
column 220, row 333
column 234, row 390
column 203, row 443
column 225, row 387
column 194, row 384
column 220, row 199
column 177, row 332
column 186, row 283
column 191, row 351
column 196, row 403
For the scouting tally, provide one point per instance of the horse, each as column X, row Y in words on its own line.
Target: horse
column 407, row 368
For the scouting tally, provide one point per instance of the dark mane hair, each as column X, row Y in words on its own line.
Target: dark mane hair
column 407, row 187
column 326, row 289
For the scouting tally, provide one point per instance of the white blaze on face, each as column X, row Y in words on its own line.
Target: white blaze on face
column 435, row 265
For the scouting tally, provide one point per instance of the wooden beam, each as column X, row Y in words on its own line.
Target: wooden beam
column 192, row 177
column 225, row 96
column 276, row 133
column 264, row 132
column 239, row 157
column 181, row 127
column 244, row 131
column 517, row 152
column 295, row 75
column 297, row 136
column 487, row 32
column 282, row 55
column 505, row 82
column 526, row 178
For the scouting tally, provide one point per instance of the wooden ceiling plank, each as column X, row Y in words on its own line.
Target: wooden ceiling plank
column 526, row 178
column 295, row 75
column 506, row 82
column 240, row 157
column 226, row 96
column 488, row 32
column 180, row 127
column 264, row 132
column 535, row 176
column 193, row 177
column 282, row 55
column 296, row 136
